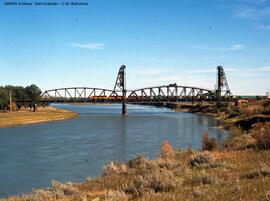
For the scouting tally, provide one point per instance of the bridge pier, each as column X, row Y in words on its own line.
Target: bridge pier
column 124, row 109
column 124, row 91
column 121, row 84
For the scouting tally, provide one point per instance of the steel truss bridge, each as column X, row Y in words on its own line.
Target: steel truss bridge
column 165, row 93
column 157, row 94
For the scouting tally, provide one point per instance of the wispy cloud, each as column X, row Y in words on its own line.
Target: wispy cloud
column 233, row 47
column 252, row 12
column 210, row 70
column 265, row 69
column 251, row 2
column 93, row 46
column 264, row 27
column 260, row 69
column 153, row 71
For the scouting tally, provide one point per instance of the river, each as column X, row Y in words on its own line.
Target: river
column 71, row 150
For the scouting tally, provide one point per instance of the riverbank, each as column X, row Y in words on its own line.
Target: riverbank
column 173, row 175
column 43, row 115
column 229, row 115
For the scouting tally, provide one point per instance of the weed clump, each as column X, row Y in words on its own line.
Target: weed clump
column 238, row 140
column 64, row 189
column 114, row 168
column 139, row 162
column 154, row 181
column 114, row 196
column 201, row 160
column 261, row 133
column 263, row 171
column 166, row 149
column 202, row 180
column 235, row 112
column 208, row 143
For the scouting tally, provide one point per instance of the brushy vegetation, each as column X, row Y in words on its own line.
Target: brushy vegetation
column 174, row 175
column 249, row 126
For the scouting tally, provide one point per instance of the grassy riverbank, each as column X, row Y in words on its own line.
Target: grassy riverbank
column 243, row 116
column 23, row 117
column 174, row 175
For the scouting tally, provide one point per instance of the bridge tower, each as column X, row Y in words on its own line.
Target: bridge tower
column 222, row 85
column 120, row 84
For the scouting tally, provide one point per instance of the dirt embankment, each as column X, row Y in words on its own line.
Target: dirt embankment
column 229, row 115
column 23, row 117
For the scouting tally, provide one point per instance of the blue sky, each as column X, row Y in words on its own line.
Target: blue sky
column 160, row 42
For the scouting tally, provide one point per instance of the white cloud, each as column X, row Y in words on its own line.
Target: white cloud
column 92, row 46
column 233, row 47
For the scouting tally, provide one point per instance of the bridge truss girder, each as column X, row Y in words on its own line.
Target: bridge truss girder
column 81, row 94
column 171, row 93
column 165, row 93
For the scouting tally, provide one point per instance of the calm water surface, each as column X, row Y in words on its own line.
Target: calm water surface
column 71, row 150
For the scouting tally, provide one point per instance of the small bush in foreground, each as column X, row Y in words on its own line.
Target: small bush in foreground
column 239, row 140
column 263, row 171
column 166, row 149
column 208, row 143
column 201, row 160
column 114, row 168
column 261, row 133
column 115, row 196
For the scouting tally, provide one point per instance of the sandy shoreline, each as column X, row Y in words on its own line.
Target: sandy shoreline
column 26, row 117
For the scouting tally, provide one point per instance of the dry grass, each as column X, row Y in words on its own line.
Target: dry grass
column 185, row 175
column 27, row 117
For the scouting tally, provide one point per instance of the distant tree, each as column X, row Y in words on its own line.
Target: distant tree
column 4, row 100
column 19, row 95
column 33, row 93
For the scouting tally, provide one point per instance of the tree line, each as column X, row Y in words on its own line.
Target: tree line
column 19, row 94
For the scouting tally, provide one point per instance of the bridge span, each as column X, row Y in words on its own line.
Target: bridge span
column 164, row 93
column 157, row 94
